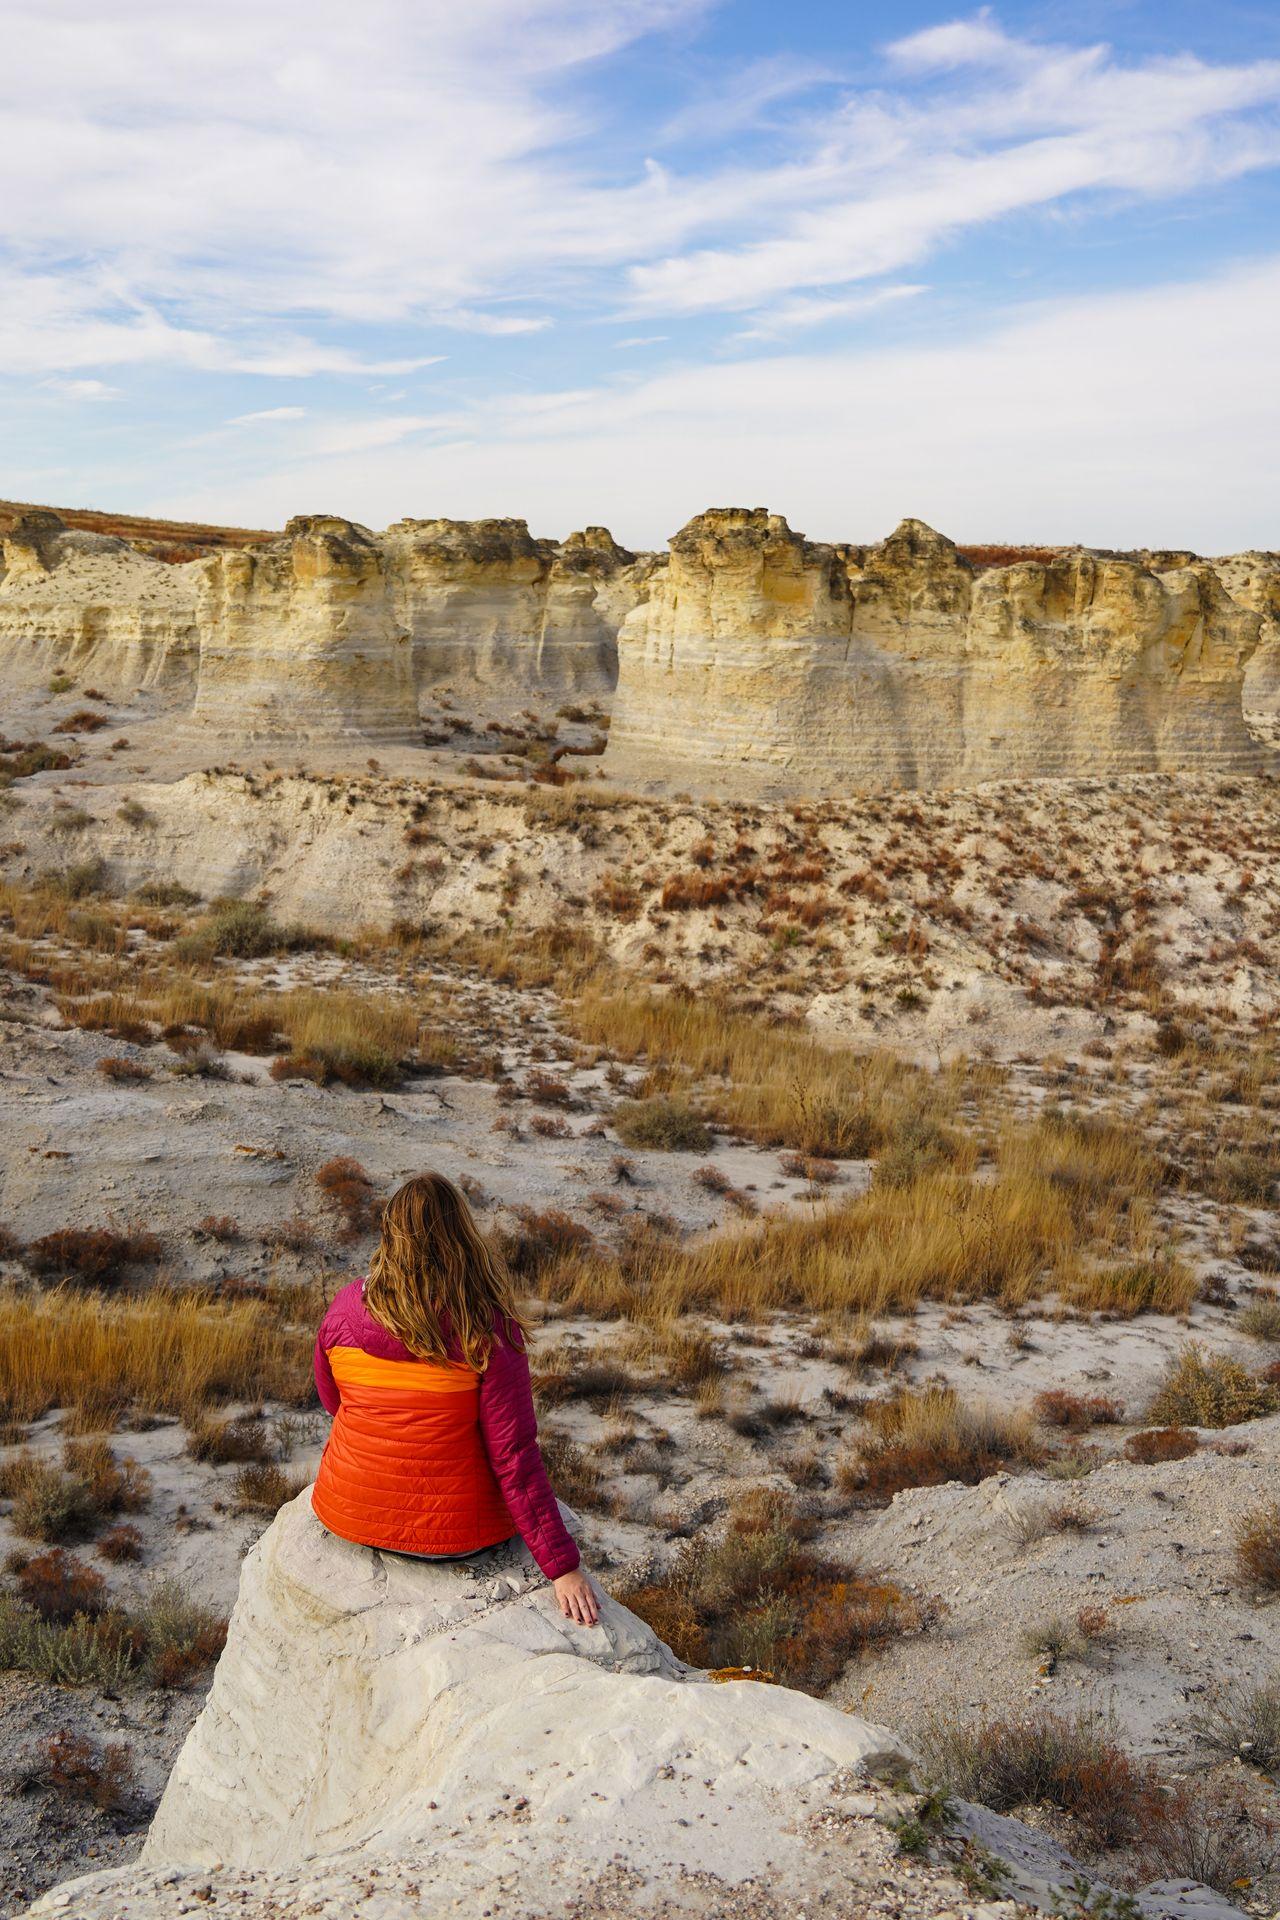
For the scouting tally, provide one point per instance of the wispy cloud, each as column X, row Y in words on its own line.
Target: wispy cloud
column 267, row 413
column 803, row 312
column 81, row 389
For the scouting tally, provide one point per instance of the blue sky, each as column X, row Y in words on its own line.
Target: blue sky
column 1014, row 269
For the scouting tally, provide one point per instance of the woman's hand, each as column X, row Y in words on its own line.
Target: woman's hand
column 577, row 1597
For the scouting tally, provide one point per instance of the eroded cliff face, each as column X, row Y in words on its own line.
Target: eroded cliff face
column 492, row 608
column 300, row 640
column 92, row 607
column 762, row 663
column 1253, row 579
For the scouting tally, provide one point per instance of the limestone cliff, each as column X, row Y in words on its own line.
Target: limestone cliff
column 492, row 608
column 91, row 606
column 300, row 640
column 1253, row 579
column 762, row 663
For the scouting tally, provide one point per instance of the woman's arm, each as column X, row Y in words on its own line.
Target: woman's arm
column 510, row 1430
column 326, row 1385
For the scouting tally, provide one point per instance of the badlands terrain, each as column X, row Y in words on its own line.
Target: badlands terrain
column 843, row 977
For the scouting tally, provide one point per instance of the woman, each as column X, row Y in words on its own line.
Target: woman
column 434, row 1445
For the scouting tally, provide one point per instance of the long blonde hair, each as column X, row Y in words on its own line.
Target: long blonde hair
column 434, row 1276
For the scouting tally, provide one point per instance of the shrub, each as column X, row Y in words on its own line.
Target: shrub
column 1210, row 1390
column 575, row 1477
column 47, row 1504
column 84, row 720
column 1240, row 1720
column 1154, row 1445
column 1258, row 1548
column 293, row 1234
column 57, row 1586
column 115, row 1067
column 179, row 1637
column 115, row 1486
column 85, row 1653
column 661, row 1122
column 1063, row 1760
column 1216, row 1832
column 925, row 1438
column 264, row 1487
column 346, row 1185
column 80, row 1768
column 216, row 1442
column 121, row 1542
column 93, row 1256
column 1077, row 1412
column 758, row 1598
column 541, row 1240
column 219, row 1226
column 241, row 930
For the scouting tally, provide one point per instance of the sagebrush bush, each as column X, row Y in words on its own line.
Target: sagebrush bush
column 48, row 1504
column 346, row 1185
column 242, row 930
column 1210, row 1390
column 1240, row 1719
column 670, row 1125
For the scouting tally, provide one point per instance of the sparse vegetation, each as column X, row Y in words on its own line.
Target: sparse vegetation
column 759, row 1598
column 1211, row 1390
column 661, row 1122
column 1257, row 1548
column 924, row 1438
column 165, row 1353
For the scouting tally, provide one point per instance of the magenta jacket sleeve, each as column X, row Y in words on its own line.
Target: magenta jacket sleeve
column 510, row 1430
column 326, row 1385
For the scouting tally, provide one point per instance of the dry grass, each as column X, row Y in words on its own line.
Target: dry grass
column 926, row 1438
column 944, row 1237
column 166, row 1353
column 769, row 1083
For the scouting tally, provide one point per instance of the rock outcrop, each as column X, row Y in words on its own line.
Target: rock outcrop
column 492, row 609
column 89, row 605
column 1253, row 579
column 761, row 663
column 300, row 640
column 426, row 1739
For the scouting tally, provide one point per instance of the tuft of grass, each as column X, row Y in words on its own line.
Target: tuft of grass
column 1210, row 1390
column 671, row 1125
column 574, row 1476
column 925, row 1438
column 943, row 1238
column 1240, row 1720
column 215, row 1442
column 352, row 1038
column 1162, row 1285
column 1261, row 1318
column 1257, row 1548
column 263, row 1487
column 166, row 1353
column 776, row 1085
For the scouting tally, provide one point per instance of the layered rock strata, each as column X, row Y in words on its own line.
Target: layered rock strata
column 91, row 606
column 1253, row 579
column 761, row 664
column 300, row 640
column 492, row 608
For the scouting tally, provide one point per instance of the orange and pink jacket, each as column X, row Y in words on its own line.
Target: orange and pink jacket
column 429, row 1456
